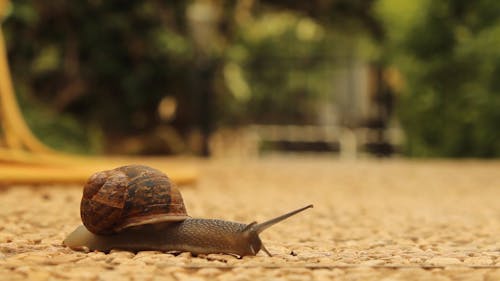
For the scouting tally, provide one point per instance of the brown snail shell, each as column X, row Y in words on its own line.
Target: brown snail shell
column 129, row 196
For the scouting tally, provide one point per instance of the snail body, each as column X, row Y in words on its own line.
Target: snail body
column 132, row 211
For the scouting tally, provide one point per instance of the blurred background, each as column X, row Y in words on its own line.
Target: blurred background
column 363, row 78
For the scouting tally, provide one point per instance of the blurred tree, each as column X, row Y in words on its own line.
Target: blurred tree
column 449, row 55
column 276, row 69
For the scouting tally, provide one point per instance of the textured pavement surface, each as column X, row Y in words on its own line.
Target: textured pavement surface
column 372, row 220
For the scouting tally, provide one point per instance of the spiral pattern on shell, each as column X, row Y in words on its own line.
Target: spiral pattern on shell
column 128, row 196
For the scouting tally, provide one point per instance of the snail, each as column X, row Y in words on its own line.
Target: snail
column 138, row 208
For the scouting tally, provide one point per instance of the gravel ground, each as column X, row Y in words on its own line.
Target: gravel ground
column 373, row 220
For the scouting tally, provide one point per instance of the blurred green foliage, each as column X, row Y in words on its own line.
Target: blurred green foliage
column 448, row 52
column 89, row 73
column 277, row 71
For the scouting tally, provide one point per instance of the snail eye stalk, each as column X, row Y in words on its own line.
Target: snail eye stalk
column 265, row 225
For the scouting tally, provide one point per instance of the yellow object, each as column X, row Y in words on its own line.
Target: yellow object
column 24, row 159
column 16, row 131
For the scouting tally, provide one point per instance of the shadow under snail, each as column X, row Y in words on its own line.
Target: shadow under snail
column 138, row 208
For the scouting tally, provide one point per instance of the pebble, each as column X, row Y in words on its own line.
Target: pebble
column 209, row 272
column 478, row 261
column 443, row 261
column 372, row 262
column 118, row 254
column 415, row 260
column 97, row 256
